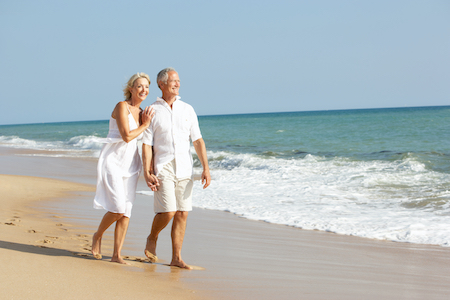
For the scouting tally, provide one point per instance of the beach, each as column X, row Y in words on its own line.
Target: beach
column 47, row 224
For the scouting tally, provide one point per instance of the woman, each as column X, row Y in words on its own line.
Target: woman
column 119, row 164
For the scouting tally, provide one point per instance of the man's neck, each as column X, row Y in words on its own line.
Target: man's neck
column 169, row 99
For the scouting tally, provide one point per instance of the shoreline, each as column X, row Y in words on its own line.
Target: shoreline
column 239, row 258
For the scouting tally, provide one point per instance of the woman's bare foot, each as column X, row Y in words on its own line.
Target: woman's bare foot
column 119, row 260
column 96, row 246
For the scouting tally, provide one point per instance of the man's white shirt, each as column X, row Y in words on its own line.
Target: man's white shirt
column 170, row 133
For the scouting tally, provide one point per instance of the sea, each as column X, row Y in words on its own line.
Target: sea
column 375, row 173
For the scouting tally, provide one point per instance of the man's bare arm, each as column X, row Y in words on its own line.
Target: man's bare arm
column 200, row 149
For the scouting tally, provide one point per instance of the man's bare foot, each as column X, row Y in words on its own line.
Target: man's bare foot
column 150, row 250
column 151, row 257
column 96, row 246
column 180, row 264
column 119, row 260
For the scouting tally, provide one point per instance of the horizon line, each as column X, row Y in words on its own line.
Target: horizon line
column 256, row 113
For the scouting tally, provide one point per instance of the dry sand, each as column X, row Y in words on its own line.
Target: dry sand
column 44, row 252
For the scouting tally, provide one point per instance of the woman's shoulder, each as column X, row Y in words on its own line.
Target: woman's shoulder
column 122, row 104
column 120, row 107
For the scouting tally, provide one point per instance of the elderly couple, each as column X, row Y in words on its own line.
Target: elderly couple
column 166, row 129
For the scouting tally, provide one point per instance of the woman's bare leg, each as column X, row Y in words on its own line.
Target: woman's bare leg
column 107, row 220
column 119, row 238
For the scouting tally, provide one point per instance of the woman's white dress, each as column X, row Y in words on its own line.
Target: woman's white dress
column 118, row 170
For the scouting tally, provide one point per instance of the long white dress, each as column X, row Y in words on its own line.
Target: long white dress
column 118, row 170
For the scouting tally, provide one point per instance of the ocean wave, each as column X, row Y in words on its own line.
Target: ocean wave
column 86, row 142
column 375, row 199
column 78, row 146
column 17, row 142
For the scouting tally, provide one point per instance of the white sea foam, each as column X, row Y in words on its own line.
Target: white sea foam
column 17, row 142
column 390, row 200
column 78, row 146
column 87, row 142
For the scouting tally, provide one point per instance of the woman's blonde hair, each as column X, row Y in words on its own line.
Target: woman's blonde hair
column 130, row 84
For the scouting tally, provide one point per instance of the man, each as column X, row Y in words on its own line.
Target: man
column 167, row 160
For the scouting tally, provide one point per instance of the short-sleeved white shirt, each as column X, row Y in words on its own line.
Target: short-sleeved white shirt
column 170, row 133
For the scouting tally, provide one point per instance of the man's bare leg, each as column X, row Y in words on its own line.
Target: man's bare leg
column 119, row 238
column 178, row 230
column 107, row 220
column 159, row 223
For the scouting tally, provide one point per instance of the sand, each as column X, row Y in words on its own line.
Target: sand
column 45, row 232
column 42, row 257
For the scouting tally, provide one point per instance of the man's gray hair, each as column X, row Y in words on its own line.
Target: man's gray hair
column 163, row 76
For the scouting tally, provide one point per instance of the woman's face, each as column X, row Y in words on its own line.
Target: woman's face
column 139, row 91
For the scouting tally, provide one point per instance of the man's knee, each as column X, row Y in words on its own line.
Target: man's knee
column 166, row 215
column 182, row 215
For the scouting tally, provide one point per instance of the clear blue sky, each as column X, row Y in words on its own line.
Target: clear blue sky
column 65, row 61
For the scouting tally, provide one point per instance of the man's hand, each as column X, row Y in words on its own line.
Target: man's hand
column 152, row 182
column 206, row 179
column 200, row 148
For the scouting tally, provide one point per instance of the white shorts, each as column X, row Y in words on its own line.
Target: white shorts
column 172, row 194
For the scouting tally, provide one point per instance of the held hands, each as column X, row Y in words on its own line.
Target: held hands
column 147, row 115
column 152, row 182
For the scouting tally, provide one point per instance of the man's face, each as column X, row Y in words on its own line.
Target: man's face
column 172, row 87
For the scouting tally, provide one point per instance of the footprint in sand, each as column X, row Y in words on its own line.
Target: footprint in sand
column 61, row 224
column 128, row 257
column 81, row 254
column 52, row 237
column 140, row 259
column 46, row 241
column 10, row 223
column 133, row 258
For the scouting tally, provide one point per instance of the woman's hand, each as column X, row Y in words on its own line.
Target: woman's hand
column 147, row 115
column 152, row 182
